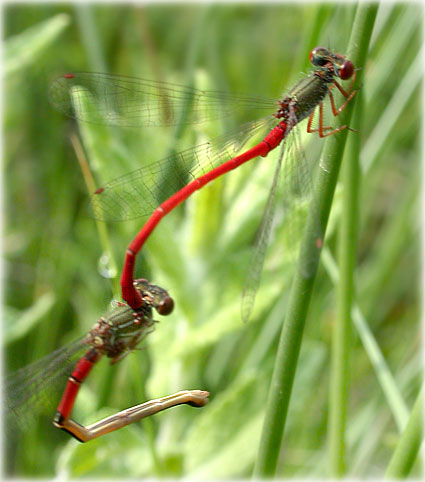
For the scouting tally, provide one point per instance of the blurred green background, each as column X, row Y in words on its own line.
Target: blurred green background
column 58, row 280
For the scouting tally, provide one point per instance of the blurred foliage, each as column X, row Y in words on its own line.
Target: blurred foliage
column 58, row 283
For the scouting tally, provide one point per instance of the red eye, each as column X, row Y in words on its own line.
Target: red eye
column 166, row 306
column 346, row 71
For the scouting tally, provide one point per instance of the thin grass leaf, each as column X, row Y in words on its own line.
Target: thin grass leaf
column 24, row 49
column 291, row 335
column 409, row 444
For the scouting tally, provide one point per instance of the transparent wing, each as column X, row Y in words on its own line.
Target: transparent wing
column 138, row 193
column 130, row 102
column 253, row 276
column 297, row 196
column 295, row 190
column 32, row 389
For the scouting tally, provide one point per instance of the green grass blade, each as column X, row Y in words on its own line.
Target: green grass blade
column 342, row 339
column 291, row 335
column 90, row 36
column 409, row 444
column 382, row 370
column 24, row 49
column 384, row 127
column 29, row 318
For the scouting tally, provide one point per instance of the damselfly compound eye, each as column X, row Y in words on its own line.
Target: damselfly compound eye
column 166, row 306
column 346, row 70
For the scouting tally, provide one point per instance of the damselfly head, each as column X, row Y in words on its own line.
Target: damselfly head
column 155, row 296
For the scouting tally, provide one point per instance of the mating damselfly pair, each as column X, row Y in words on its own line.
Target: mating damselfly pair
column 127, row 102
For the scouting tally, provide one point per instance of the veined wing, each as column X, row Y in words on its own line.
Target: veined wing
column 130, row 102
column 138, row 193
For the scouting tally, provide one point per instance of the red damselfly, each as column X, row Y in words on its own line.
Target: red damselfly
column 124, row 101
column 115, row 336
